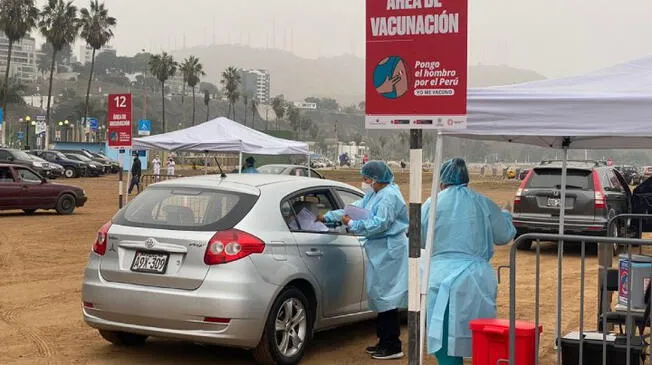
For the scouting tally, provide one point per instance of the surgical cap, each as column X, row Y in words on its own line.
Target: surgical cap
column 378, row 171
column 454, row 172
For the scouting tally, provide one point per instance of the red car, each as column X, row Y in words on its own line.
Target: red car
column 23, row 188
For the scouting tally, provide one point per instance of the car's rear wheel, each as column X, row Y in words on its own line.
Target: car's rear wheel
column 66, row 204
column 123, row 338
column 29, row 211
column 287, row 330
column 69, row 172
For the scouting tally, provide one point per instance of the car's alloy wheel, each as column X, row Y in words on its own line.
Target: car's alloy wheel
column 287, row 331
column 69, row 173
column 291, row 323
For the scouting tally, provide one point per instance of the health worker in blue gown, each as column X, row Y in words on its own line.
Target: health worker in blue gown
column 386, row 245
column 462, row 284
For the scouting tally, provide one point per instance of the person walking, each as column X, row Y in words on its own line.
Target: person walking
column 386, row 246
column 462, row 284
column 135, row 174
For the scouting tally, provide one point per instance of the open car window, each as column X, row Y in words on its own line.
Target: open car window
column 315, row 203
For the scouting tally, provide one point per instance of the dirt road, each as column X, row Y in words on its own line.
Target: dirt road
column 42, row 258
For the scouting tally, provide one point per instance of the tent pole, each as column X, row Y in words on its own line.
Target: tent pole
column 240, row 163
column 560, row 245
column 430, row 238
column 309, row 172
column 416, row 177
column 205, row 163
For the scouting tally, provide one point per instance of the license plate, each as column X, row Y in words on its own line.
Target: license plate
column 554, row 202
column 148, row 262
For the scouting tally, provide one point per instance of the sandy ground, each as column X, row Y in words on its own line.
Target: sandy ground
column 42, row 258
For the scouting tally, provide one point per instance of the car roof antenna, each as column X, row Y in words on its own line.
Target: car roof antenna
column 222, row 174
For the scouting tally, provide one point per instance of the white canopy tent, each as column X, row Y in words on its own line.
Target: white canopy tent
column 222, row 135
column 605, row 109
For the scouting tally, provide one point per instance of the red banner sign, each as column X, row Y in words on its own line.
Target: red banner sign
column 119, row 121
column 416, row 64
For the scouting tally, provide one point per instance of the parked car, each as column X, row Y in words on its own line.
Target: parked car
column 630, row 173
column 114, row 166
column 294, row 170
column 642, row 204
column 18, row 157
column 72, row 168
column 92, row 168
column 213, row 260
column 107, row 166
column 23, row 188
column 50, row 170
column 595, row 193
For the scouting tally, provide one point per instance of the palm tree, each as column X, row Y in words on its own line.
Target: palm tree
column 59, row 25
column 192, row 71
column 17, row 19
column 207, row 102
column 231, row 81
column 96, row 30
column 245, row 101
column 278, row 105
column 162, row 67
column 254, row 109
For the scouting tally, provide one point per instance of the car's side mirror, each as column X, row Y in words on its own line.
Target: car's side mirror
column 44, row 180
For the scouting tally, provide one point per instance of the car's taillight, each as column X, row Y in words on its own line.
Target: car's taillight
column 99, row 247
column 600, row 197
column 519, row 192
column 230, row 245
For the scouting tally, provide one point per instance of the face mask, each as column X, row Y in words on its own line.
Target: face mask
column 367, row 188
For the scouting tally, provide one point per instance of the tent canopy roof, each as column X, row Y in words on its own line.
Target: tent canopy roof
column 221, row 135
column 609, row 108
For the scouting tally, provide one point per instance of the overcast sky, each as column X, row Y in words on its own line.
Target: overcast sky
column 553, row 37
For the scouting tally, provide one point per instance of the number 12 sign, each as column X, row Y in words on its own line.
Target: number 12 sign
column 119, row 131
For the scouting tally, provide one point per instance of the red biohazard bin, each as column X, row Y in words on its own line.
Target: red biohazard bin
column 491, row 341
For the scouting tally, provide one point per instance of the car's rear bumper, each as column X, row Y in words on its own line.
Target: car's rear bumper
column 524, row 226
column 180, row 314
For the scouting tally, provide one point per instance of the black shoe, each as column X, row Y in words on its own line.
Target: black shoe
column 373, row 349
column 385, row 354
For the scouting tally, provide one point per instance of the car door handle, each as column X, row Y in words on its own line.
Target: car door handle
column 314, row 253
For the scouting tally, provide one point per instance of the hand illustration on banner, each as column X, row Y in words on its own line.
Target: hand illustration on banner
column 390, row 77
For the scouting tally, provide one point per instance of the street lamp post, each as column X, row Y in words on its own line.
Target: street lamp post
column 28, row 121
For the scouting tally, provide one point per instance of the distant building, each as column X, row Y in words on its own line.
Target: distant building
column 86, row 53
column 305, row 105
column 24, row 57
column 256, row 84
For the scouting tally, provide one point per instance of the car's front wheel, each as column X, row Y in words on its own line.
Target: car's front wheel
column 66, row 204
column 287, row 330
column 123, row 338
column 70, row 172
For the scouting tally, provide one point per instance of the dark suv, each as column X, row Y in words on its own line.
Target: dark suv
column 18, row 157
column 594, row 194
column 72, row 168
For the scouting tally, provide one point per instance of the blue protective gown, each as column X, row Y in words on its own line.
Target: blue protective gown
column 468, row 225
column 249, row 170
column 386, row 246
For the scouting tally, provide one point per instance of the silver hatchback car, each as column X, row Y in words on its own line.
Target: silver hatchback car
column 232, row 261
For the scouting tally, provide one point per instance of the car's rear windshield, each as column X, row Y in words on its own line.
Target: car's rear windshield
column 551, row 179
column 190, row 209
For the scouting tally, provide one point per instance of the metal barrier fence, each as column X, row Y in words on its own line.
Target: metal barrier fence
column 147, row 180
column 581, row 241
